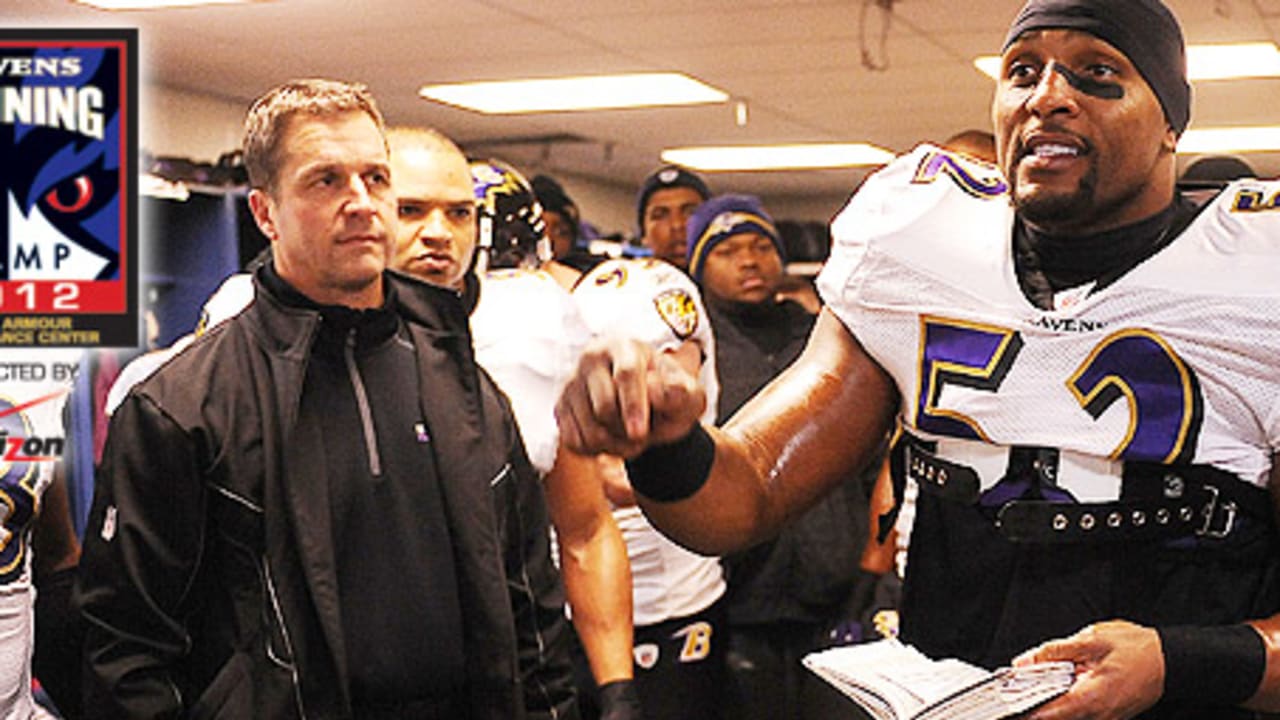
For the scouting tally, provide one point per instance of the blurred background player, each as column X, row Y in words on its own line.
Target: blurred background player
column 435, row 206
column 564, row 225
column 38, row 548
column 512, row 226
column 679, row 654
column 667, row 199
column 528, row 335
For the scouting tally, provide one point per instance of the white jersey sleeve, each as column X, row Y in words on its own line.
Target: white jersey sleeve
column 33, row 390
column 528, row 336
column 653, row 302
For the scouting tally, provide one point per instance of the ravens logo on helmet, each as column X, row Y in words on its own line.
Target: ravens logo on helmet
column 512, row 230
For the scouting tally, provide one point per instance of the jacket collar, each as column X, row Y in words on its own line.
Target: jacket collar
column 429, row 305
column 285, row 321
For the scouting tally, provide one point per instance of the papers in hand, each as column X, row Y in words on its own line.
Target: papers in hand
column 893, row 681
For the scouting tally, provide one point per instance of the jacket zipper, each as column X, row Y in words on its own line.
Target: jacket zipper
column 362, row 404
column 284, row 633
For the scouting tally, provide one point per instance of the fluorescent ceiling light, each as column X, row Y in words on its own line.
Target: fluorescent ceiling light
column 1239, row 60
column 804, row 156
column 156, row 4
column 595, row 92
column 1229, row 140
column 988, row 65
column 1204, row 62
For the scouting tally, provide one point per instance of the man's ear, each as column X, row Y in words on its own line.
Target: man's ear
column 1170, row 142
column 263, row 210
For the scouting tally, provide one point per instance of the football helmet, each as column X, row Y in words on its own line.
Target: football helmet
column 512, row 230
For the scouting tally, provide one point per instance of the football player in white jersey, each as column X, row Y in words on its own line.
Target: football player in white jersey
column 681, row 620
column 33, row 389
column 1082, row 362
column 528, row 334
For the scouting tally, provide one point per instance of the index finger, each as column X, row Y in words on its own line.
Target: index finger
column 630, row 379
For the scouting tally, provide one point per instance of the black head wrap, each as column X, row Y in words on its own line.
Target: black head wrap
column 1144, row 30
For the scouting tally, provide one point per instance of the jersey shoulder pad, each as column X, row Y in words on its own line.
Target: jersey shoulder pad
column 914, row 185
column 920, row 197
column 647, row 299
column 521, row 303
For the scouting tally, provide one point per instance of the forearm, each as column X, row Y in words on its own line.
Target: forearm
column 593, row 562
column 824, row 417
column 597, row 578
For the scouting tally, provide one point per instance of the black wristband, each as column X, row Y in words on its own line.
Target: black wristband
column 1220, row 665
column 619, row 701
column 667, row 473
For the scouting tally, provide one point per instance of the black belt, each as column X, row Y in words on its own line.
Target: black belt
column 1157, row 502
column 1202, row 511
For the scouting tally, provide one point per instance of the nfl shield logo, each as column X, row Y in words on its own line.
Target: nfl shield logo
column 646, row 655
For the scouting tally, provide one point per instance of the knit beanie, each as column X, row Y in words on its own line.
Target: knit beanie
column 667, row 176
column 719, row 219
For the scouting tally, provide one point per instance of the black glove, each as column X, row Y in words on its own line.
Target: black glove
column 619, row 701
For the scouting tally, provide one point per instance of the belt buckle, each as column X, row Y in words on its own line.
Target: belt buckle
column 1211, row 509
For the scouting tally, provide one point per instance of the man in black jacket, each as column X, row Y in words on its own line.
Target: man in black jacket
column 280, row 531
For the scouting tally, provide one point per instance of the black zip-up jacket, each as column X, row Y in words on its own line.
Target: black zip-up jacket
column 208, row 581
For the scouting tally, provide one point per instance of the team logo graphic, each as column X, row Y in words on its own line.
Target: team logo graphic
column 21, row 452
column 697, row 641
column 678, row 311
column 886, row 623
column 617, row 276
column 68, row 226
column 726, row 222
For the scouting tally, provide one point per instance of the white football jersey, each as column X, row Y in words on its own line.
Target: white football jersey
column 528, row 336
column 656, row 303
column 1173, row 362
column 33, row 391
